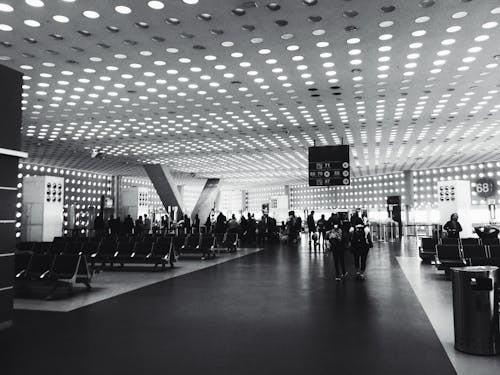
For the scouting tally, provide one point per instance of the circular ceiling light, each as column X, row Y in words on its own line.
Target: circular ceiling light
column 490, row 25
column 459, row 15
column 481, row 38
column 453, row 29
column 5, row 8
column 122, row 9
column 386, row 24
column 190, row 2
column 155, row 4
column 422, row 19
column 31, row 23
column 92, row 14
column 61, row 19
column 495, row 11
column 35, row 3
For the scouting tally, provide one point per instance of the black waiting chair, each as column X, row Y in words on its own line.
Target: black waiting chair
column 39, row 266
column 57, row 248
column 475, row 254
column 490, row 241
column 470, row 241
column 427, row 250
column 448, row 256
column 74, row 247
column 450, row 241
column 22, row 262
column 41, row 247
column 25, row 246
column 494, row 255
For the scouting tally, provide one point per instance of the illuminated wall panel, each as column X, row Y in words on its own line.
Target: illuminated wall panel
column 366, row 192
column 83, row 189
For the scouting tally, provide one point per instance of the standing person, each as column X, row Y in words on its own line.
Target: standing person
column 356, row 220
column 147, row 223
column 232, row 225
column 196, row 223
column 299, row 226
column 128, row 225
column 187, row 224
column 322, row 230
column 252, row 226
column 291, row 227
column 332, row 220
column 361, row 243
column 453, row 227
column 244, row 228
column 311, row 225
column 139, row 227
column 337, row 247
column 208, row 225
column 220, row 224
column 99, row 226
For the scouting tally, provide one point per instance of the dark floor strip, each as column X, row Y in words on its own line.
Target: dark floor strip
column 275, row 312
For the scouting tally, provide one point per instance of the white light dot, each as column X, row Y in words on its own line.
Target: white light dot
column 156, row 4
column 490, row 25
column 92, row 14
column 61, row 19
column 4, row 27
column 122, row 9
column 35, row 3
column 31, row 23
column 5, row 8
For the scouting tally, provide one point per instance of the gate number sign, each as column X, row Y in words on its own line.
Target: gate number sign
column 486, row 187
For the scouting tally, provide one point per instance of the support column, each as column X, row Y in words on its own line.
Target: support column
column 10, row 143
column 207, row 200
column 165, row 186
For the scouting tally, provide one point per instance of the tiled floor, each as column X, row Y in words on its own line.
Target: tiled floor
column 109, row 284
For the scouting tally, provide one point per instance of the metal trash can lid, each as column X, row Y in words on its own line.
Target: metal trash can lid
column 475, row 269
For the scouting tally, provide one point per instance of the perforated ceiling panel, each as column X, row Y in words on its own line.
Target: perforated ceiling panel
column 239, row 90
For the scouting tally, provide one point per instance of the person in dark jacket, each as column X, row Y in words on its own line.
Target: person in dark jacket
column 356, row 220
column 337, row 248
column 311, row 225
column 361, row 242
column 322, row 230
column 453, row 227
column 128, row 225
column 220, row 224
column 139, row 227
column 196, row 223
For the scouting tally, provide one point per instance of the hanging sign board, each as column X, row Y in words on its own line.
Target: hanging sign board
column 329, row 166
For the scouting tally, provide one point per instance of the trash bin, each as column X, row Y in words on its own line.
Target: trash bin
column 476, row 304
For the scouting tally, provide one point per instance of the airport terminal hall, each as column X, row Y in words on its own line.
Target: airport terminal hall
column 238, row 187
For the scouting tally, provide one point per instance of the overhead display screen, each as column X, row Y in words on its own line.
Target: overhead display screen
column 329, row 166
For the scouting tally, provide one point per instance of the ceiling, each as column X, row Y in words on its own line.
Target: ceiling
column 239, row 90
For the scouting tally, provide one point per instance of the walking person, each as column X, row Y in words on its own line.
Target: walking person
column 337, row 249
column 322, row 230
column 311, row 226
column 361, row 243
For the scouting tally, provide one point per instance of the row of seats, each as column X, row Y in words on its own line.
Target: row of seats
column 52, row 271
column 448, row 256
column 153, row 250
column 427, row 250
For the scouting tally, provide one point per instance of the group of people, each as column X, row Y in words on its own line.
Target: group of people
column 248, row 229
column 337, row 236
column 116, row 227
